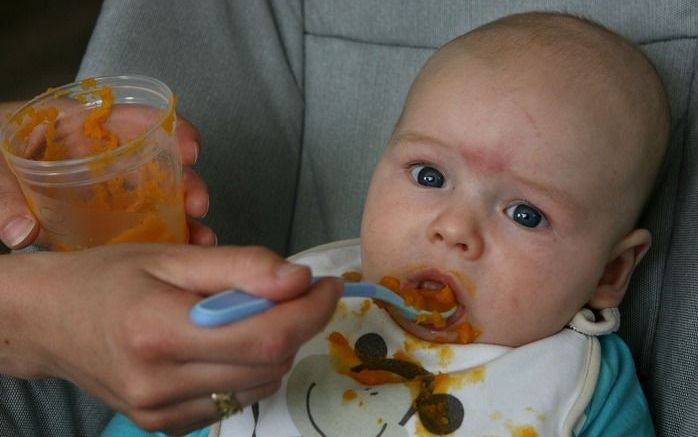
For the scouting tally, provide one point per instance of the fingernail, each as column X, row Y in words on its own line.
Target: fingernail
column 288, row 269
column 196, row 153
column 208, row 205
column 16, row 231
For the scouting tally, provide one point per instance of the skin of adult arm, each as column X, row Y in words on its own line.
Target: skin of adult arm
column 114, row 320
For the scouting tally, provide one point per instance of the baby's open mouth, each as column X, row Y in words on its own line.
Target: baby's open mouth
column 433, row 294
column 434, row 299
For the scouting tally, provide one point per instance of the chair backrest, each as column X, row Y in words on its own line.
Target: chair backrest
column 358, row 63
column 296, row 100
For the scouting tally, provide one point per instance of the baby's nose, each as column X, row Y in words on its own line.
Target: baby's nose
column 459, row 231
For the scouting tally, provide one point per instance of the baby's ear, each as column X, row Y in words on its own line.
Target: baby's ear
column 616, row 276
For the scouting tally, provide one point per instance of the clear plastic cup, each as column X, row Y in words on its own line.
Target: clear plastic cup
column 98, row 163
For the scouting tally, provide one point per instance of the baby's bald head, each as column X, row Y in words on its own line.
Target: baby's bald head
column 522, row 159
column 589, row 68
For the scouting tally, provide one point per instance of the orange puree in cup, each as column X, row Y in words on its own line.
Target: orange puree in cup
column 142, row 204
column 93, row 127
column 53, row 151
column 153, row 228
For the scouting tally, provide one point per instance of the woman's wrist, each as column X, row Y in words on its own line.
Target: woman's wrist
column 25, row 332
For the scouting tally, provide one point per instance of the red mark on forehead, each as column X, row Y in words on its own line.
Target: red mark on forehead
column 513, row 127
column 486, row 161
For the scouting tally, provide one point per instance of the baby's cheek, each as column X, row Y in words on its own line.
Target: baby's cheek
column 375, row 233
column 370, row 262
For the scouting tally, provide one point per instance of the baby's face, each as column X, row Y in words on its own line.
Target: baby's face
column 500, row 185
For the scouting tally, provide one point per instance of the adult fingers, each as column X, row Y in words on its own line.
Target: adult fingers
column 210, row 270
column 189, row 141
column 201, row 234
column 130, row 121
column 270, row 337
column 18, row 226
column 187, row 416
column 195, row 194
column 196, row 380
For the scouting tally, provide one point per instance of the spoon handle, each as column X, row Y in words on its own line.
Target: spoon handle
column 234, row 305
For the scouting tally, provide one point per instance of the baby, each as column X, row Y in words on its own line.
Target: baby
column 521, row 161
column 515, row 176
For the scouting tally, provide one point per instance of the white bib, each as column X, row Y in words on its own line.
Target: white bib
column 540, row 389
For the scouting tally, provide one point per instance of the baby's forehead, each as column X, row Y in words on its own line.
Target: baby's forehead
column 591, row 70
column 556, row 45
column 591, row 67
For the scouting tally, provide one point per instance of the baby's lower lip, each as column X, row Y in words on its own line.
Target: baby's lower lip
column 426, row 332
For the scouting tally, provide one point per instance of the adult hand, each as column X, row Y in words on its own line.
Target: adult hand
column 124, row 335
column 19, row 227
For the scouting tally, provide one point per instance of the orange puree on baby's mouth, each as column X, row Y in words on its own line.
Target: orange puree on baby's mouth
column 465, row 333
column 427, row 299
column 433, row 318
column 436, row 301
column 441, row 299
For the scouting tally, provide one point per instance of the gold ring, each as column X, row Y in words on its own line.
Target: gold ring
column 226, row 404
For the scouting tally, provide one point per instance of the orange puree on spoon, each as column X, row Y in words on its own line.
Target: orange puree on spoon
column 436, row 300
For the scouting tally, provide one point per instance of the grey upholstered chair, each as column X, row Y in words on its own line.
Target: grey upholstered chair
column 296, row 99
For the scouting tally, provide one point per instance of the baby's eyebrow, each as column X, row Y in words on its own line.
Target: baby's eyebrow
column 561, row 197
column 479, row 159
column 412, row 137
column 557, row 195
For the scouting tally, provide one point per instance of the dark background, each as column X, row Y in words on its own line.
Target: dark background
column 41, row 45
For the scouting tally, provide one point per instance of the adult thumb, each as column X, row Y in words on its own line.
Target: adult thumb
column 18, row 226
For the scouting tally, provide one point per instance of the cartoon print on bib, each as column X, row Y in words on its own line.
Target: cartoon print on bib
column 352, row 381
column 361, row 391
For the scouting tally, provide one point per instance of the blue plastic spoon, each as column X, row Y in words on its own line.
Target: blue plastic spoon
column 234, row 305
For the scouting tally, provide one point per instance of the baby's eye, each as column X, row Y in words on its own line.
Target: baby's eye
column 427, row 176
column 525, row 215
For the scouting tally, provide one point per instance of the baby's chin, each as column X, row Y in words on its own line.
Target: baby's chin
column 457, row 329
